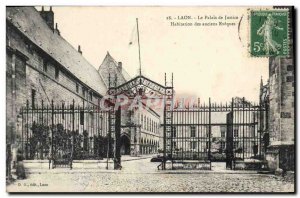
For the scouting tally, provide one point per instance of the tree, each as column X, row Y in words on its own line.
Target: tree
column 39, row 141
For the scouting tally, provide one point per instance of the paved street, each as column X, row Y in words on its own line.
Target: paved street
column 143, row 176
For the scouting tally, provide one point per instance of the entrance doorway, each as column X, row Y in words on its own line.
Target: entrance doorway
column 125, row 145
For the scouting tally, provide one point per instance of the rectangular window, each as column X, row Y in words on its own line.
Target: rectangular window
column 289, row 78
column 207, row 145
column 235, row 133
column 81, row 117
column 290, row 68
column 92, row 119
column 285, row 115
column 223, row 131
column 33, row 94
column 174, row 144
column 193, row 131
column 152, row 126
column 63, row 110
column 91, row 96
column 207, row 131
column 236, row 145
column 77, row 88
column 29, row 47
column 45, row 65
column 56, row 72
column 174, row 132
column 222, row 145
column 193, row 145
column 83, row 92
column 252, row 130
column 147, row 124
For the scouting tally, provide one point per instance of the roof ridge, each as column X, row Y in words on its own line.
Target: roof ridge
column 108, row 57
column 55, row 45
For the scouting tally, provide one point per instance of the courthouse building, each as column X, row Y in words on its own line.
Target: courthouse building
column 42, row 66
column 192, row 127
column 140, row 127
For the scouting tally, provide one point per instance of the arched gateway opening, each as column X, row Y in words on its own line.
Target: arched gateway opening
column 125, row 145
column 140, row 90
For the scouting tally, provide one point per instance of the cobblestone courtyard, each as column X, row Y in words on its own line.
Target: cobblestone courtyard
column 142, row 176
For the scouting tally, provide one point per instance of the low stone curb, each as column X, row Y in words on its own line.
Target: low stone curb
column 137, row 158
column 68, row 171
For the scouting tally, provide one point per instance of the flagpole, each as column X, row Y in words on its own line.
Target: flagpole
column 138, row 34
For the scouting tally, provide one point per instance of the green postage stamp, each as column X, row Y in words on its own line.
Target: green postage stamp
column 269, row 33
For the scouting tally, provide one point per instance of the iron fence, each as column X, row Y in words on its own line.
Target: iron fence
column 217, row 132
column 65, row 132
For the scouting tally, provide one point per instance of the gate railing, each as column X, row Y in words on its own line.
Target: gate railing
column 65, row 132
column 201, row 132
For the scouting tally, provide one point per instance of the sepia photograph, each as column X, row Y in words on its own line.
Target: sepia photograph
column 150, row 99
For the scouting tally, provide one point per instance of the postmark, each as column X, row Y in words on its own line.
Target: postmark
column 269, row 33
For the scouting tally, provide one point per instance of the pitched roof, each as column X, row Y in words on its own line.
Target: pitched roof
column 32, row 25
column 110, row 66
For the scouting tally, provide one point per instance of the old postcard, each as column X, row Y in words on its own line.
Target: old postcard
column 150, row 99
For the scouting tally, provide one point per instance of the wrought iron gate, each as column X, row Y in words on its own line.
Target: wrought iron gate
column 66, row 132
column 216, row 132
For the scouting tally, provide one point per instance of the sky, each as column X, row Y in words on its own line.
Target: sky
column 210, row 61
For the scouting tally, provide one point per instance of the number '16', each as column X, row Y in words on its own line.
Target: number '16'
column 257, row 46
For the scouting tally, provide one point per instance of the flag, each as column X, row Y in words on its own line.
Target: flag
column 133, row 37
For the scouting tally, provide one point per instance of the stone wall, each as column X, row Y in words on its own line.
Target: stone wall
column 282, row 108
column 33, row 76
column 281, row 122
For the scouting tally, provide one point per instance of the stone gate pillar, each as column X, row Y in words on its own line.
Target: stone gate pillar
column 135, row 141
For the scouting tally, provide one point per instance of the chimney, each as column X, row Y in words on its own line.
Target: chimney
column 120, row 66
column 56, row 29
column 48, row 17
column 79, row 49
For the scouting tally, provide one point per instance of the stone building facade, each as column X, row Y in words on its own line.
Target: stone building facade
column 282, row 113
column 42, row 66
column 191, row 132
column 141, row 131
column 281, row 123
